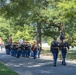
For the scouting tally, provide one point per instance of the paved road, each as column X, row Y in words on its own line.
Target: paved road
column 42, row 66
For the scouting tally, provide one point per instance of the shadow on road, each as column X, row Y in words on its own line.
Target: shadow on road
column 30, row 66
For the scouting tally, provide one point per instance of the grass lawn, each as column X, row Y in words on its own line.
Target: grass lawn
column 71, row 55
column 45, row 51
column 5, row 70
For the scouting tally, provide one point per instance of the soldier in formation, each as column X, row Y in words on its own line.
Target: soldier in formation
column 61, row 46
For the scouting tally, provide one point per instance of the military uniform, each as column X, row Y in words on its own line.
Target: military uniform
column 63, row 48
column 54, row 49
column 27, row 49
column 34, row 49
column 39, row 50
column 7, row 47
column 18, row 48
column 23, row 52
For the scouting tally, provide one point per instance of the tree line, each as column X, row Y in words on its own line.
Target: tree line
column 38, row 19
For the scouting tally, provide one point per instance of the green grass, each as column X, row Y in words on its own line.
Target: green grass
column 71, row 55
column 5, row 70
column 45, row 51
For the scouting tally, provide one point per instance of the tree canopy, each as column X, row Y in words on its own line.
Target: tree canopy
column 44, row 17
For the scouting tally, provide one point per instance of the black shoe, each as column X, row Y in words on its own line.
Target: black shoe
column 62, row 63
column 17, row 56
column 55, row 65
column 34, row 57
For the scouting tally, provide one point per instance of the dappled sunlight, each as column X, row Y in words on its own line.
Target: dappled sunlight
column 31, row 64
column 14, row 65
column 46, row 72
column 39, row 64
column 3, row 69
column 42, row 66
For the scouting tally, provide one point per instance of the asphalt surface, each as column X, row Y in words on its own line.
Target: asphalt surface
column 42, row 66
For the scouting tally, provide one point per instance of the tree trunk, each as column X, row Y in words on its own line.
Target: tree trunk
column 39, row 34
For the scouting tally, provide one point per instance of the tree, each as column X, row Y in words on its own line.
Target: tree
column 5, row 28
column 51, row 16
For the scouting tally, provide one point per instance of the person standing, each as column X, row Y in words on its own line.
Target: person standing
column 10, row 40
column 9, row 44
column 38, row 50
column 1, row 43
column 54, row 49
column 34, row 49
column 63, row 46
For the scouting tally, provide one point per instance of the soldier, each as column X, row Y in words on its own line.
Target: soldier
column 13, row 49
column 10, row 40
column 63, row 46
column 7, row 47
column 1, row 41
column 27, row 49
column 39, row 50
column 34, row 49
column 18, row 48
column 54, row 49
column 23, row 51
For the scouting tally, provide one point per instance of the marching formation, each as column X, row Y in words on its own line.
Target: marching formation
column 24, row 49
column 61, row 46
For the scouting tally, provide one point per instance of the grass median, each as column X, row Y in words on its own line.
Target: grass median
column 5, row 70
